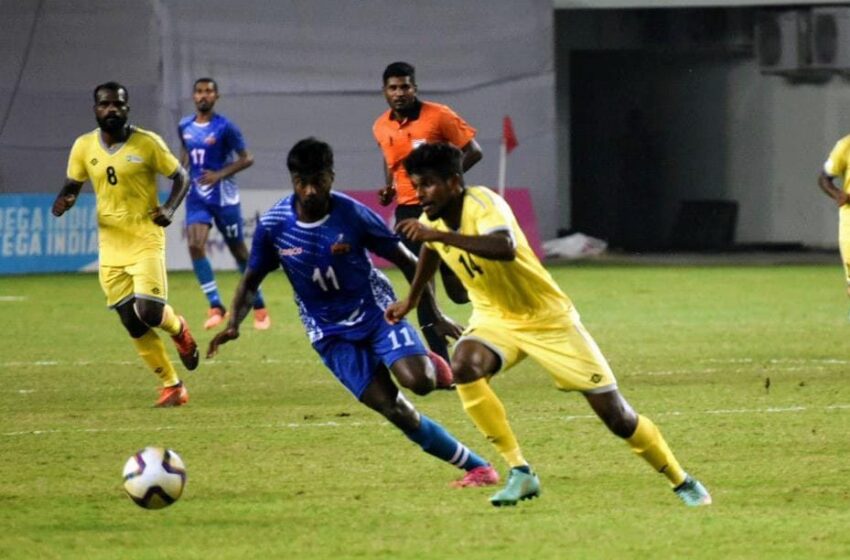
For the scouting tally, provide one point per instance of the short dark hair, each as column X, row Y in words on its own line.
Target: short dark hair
column 202, row 80
column 111, row 86
column 442, row 159
column 309, row 157
column 400, row 70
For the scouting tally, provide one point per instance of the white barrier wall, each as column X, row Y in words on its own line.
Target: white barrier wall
column 287, row 70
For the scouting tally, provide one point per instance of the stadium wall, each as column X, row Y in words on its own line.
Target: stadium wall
column 717, row 126
column 286, row 70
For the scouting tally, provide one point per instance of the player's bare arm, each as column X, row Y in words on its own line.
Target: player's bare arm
column 426, row 267
column 497, row 246
column 472, row 154
column 244, row 160
column 67, row 197
column 825, row 182
column 407, row 263
column 387, row 194
column 163, row 215
column 243, row 301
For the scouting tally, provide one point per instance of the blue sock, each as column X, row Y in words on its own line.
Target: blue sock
column 204, row 274
column 435, row 440
column 258, row 301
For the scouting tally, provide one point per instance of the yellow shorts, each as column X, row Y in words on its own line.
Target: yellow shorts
column 145, row 279
column 563, row 347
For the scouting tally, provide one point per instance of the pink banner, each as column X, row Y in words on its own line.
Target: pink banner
column 518, row 198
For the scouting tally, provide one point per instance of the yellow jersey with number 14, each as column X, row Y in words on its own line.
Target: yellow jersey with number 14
column 520, row 291
column 124, row 182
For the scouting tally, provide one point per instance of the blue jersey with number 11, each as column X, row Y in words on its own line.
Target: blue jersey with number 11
column 337, row 290
column 211, row 146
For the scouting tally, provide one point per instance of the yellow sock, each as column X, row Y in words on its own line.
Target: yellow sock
column 152, row 351
column 170, row 321
column 648, row 442
column 487, row 412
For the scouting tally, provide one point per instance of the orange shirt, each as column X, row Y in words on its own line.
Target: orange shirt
column 433, row 123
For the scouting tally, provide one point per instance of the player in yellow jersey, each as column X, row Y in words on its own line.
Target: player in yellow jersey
column 517, row 310
column 836, row 167
column 122, row 163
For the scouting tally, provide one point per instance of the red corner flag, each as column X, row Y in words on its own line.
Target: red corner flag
column 508, row 135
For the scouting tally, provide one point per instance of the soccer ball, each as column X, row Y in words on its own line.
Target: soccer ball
column 154, row 477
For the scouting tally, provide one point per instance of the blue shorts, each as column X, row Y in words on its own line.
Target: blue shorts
column 228, row 219
column 354, row 360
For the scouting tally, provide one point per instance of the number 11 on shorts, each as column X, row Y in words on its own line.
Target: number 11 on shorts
column 405, row 334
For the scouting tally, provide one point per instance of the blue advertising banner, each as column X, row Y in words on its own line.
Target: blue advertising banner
column 33, row 240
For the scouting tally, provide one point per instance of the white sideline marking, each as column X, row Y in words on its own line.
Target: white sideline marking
column 51, row 363
column 723, row 411
column 333, row 424
column 13, row 298
column 290, row 425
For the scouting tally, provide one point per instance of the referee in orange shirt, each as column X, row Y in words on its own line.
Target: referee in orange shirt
column 408, row 123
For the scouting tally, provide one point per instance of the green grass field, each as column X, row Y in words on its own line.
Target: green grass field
column 283, row 463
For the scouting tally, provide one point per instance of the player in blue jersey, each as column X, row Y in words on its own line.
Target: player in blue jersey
column 321, row 239
column 209, row 143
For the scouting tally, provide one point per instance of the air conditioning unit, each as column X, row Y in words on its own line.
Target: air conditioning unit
column 829, row 40
column 782, row 41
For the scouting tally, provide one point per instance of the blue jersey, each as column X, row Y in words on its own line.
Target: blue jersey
column 211, row 146
column 337, row 290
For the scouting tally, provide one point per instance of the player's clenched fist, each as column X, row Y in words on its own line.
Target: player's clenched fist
column 63, row 203
column 415, row 230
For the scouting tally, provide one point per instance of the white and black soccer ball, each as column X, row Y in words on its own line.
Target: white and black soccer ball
column 154, row 477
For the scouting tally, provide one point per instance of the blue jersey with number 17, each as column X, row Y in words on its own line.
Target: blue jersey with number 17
column 337, row 289
column 211, row 146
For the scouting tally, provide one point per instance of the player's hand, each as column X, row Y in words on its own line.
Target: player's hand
column 209, row 177
column 446, row 327
column 415, row 230
column 162, row 216
column 386, row 195
column 842, row 199
column 63, row 203
column 225, row 336
column 397, row 310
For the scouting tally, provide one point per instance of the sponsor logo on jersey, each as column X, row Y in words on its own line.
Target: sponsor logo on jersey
column 187, row 136
column 340, row 247
column 93, row 161
column 210, row 140
column 290, row 251
column 132, row 158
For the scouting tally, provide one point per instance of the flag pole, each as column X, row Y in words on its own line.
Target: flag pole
column 503, row 164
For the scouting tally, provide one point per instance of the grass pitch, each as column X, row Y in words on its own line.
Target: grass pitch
column 745, row 370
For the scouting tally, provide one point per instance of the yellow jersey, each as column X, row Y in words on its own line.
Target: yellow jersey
column 517, row 291
column 124, row 182
column 836, row 165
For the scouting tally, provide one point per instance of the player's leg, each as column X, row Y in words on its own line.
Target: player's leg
column 117, row 284
column 382, row 396
column 362, row 371
column 228, row 220
column 474, row 361
column 571, row 356
column 844, row 243
column 645, row 439
column 150, row 291
column 198, row 224
column 415, row 367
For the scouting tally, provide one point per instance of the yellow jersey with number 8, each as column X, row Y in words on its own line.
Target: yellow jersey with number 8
column 124, row 182
column 517, row 291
